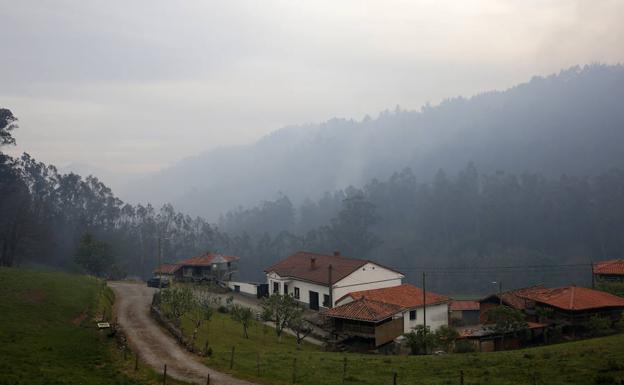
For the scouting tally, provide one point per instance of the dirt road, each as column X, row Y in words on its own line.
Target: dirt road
column 154, row 345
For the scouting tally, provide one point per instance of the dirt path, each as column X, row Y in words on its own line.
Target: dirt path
column 154, row 345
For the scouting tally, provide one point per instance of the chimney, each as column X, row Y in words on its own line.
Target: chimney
column 336, row 253
column 312, row 263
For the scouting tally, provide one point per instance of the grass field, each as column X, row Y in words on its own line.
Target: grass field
column 47, row 333
column 594, row 361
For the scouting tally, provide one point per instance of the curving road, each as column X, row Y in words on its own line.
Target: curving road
column 154, row 345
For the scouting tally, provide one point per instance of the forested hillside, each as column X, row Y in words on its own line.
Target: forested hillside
column 569, row 123
column 524, row 186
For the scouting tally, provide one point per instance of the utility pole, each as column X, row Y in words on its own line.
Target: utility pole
column 593, row 276
column 159, row 264
column 331, row 288
column 424, row 313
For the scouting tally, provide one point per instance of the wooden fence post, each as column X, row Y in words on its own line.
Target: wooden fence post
column 258, row 363
column 208, row 379
column 394, row 378
column 165, row 375
column 344, row 370
column 232, row 358
column 461, row 377
column 136, row 361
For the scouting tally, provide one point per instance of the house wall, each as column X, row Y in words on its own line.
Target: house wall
column 245, row 287
column 437, row 315
column 370, row 276
column 304, row 288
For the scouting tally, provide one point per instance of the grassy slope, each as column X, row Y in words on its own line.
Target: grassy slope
column 47, row 333
column 580, row 362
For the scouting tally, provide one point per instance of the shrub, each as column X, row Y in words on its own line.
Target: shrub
column 598, row 326
column 464, row 346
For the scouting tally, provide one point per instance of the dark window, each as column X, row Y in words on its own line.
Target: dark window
column 236, row 288
column 412, row 315
column 276, row 287
column 325, row 300
column 296, row 293
column 285, row 288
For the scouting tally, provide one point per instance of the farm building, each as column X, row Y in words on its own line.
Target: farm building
column 317, row 279
column 381, row 315
column 609, row 271
column 208, row 267
column 569, row 306
column 464, row 312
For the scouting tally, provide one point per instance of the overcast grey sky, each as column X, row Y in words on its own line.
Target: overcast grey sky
column 132, row 86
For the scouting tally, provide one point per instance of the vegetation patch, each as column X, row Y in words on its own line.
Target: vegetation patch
column 264, row 358
column 47, row 333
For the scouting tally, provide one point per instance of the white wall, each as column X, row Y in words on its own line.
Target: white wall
column 370, row 276
column 245, row 287
column 304, row 288
column 437, row 315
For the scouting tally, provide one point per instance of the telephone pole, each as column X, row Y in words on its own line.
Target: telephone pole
column 424, row 312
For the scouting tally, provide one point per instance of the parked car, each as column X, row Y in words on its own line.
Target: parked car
column 158, row 282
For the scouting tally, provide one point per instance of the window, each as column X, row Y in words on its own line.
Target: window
column 285, row 289
column 296, row 293
column 412, row 315
column 275, row 287
column 325, row 300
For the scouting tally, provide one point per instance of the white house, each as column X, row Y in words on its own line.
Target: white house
column 318, row 280
column 409, row 300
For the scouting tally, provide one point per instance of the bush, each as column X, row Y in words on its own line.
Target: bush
column 464, row 346
column 598, row 326
column 223, row 309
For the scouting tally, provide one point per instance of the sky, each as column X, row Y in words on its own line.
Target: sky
column 123, row 88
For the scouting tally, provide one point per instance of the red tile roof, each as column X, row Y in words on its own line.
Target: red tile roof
column 364, row 310
column 518, row 298
column 612, row 267
column 166, row 268
column 208, row 259
column 464, row 305
column 577, row 298
column 407, row 296
column 299, row 265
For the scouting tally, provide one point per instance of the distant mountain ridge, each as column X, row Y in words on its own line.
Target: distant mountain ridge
column 568, row 123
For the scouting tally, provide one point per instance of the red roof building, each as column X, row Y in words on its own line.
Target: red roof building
column 612, row 270
column 212, row 267
column 318, row 279
column 575, row 298
column 406, row 296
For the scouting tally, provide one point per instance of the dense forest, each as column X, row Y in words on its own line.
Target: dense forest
column 567, row 123
column 465, row 230
column 558, row 205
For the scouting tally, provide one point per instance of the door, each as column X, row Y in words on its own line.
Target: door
column 314, row 300
column 285, row 288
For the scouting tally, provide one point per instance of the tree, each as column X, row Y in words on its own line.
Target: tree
column 177, row 301
column 445, row 337
column 300, row 325
column 506, row 320
column 244, row 316
column 94, row 256
column 420, row 339
column 201, row 311
column 350, row 230
column 7, row 124
column 281, row 309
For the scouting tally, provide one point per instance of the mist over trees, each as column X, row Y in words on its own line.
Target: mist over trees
column 467, row 191
column 569, row 123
